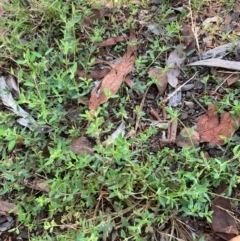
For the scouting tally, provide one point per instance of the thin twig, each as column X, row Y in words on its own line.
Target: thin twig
column 140, row 108
column 179, row 88
column 196, row 101
column 194, row 29
column 224, row 81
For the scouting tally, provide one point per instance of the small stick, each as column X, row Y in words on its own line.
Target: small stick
column 173, row 134
column 223, row 83
column 141, row 107
column 155, row 114
column 196, row 101
column 178, row 88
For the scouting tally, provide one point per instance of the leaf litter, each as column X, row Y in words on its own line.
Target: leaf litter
column 223, row 222
column 111, row 41
column 174, row 61
column 80, row 145
column 113, row 80
column 26, row 119
column 226, row 64
column 185, row 138
column 213, row 128
column 162, row 78
column 7, row 99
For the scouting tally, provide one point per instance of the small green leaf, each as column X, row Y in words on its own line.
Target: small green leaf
column 11, row 145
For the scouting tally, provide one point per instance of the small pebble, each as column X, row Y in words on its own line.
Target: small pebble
column 189, row 104
column 184, row 116
column 211, row 145
column 199, row 85
column 156, row 2
column 191, row 112
column 154, row 8
column 150, row 96
column 188, row 95
column 221, row 90
column 187, row 87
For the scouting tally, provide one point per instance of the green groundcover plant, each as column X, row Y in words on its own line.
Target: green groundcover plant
column 123, row 187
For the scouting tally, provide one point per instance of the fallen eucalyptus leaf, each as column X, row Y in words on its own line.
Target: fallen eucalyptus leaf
column 175, row 59
column 7, row 99
column 214, row 19
column 220, row 51
column 119, row 131
column 13, row 85
column 218, row 63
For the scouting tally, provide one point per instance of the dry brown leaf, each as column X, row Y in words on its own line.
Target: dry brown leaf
column 210, row 128
column 97, row 13
column 161, row 77
column 6, row 207
column 1, row 11
column 232, row 79
column 95, row 74
column 129, row 81
column 218, row 63
column 223, row 223
column 155, row 114
column 111, row 41
column 81, row 144
column 228, row 19
column 189, row 38
column 172, row 130
column 38, row 184
column 214, row 19
column 237, row 238
column 175, row 59
column 113, row 80
column 188, row 138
